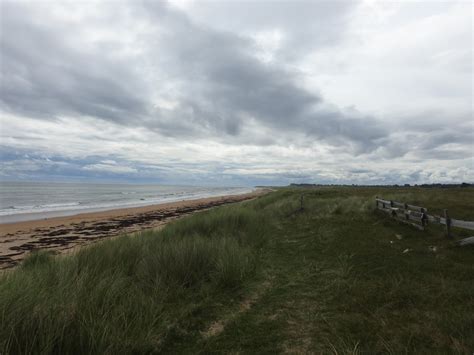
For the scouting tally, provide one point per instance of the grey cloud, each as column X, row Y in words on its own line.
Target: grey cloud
column 221, row 82
column 44, row 75
column 439, row 154
column 359, row 171
column 437, row 139
column 225, row 84
column 306, row 24
column 427, row 139
column 222, row 91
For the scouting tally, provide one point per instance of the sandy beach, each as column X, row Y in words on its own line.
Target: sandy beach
column 61, row 234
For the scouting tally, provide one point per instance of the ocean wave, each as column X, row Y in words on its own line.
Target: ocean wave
column 59, row 205
column 10, row 210
column 106, row 201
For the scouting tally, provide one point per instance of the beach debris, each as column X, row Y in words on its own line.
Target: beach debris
column 433, row 248
column 63, row 237
column 407, row 250
column 399, row 236
column 465, row 241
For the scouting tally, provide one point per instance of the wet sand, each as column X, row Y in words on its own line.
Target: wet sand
column 62, row 234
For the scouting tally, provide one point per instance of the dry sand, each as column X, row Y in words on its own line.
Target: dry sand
column 61, row 234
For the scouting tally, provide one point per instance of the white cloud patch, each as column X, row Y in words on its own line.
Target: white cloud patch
column 268, row 42
column 110, row 168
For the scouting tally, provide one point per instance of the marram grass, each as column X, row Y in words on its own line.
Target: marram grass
column 131, row 293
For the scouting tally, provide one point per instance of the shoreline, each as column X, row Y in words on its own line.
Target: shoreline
column 61, row 234
column 48, row 214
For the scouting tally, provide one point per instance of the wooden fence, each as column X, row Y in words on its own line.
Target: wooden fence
column 418, row 216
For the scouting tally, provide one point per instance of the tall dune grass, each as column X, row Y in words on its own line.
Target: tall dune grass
column 130, row 294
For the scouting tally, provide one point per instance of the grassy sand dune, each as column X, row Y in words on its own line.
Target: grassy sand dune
column 259, row 276
column 63, row 234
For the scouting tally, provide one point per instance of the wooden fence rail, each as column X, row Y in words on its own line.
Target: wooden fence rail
column 418, row 216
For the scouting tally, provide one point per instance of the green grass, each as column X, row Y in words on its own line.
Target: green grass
column 132, row 294
column 257, row 277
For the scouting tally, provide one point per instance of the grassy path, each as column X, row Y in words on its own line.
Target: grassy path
column 337, row 281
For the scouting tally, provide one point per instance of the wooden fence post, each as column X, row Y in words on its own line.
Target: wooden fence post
column 448, row 224
column 301, row 201
column 393, row 213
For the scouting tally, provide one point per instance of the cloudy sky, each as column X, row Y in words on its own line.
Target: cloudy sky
column 237, row 92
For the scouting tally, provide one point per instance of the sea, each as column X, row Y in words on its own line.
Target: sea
column 23, row 201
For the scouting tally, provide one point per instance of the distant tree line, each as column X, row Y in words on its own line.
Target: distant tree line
column 463, row 184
